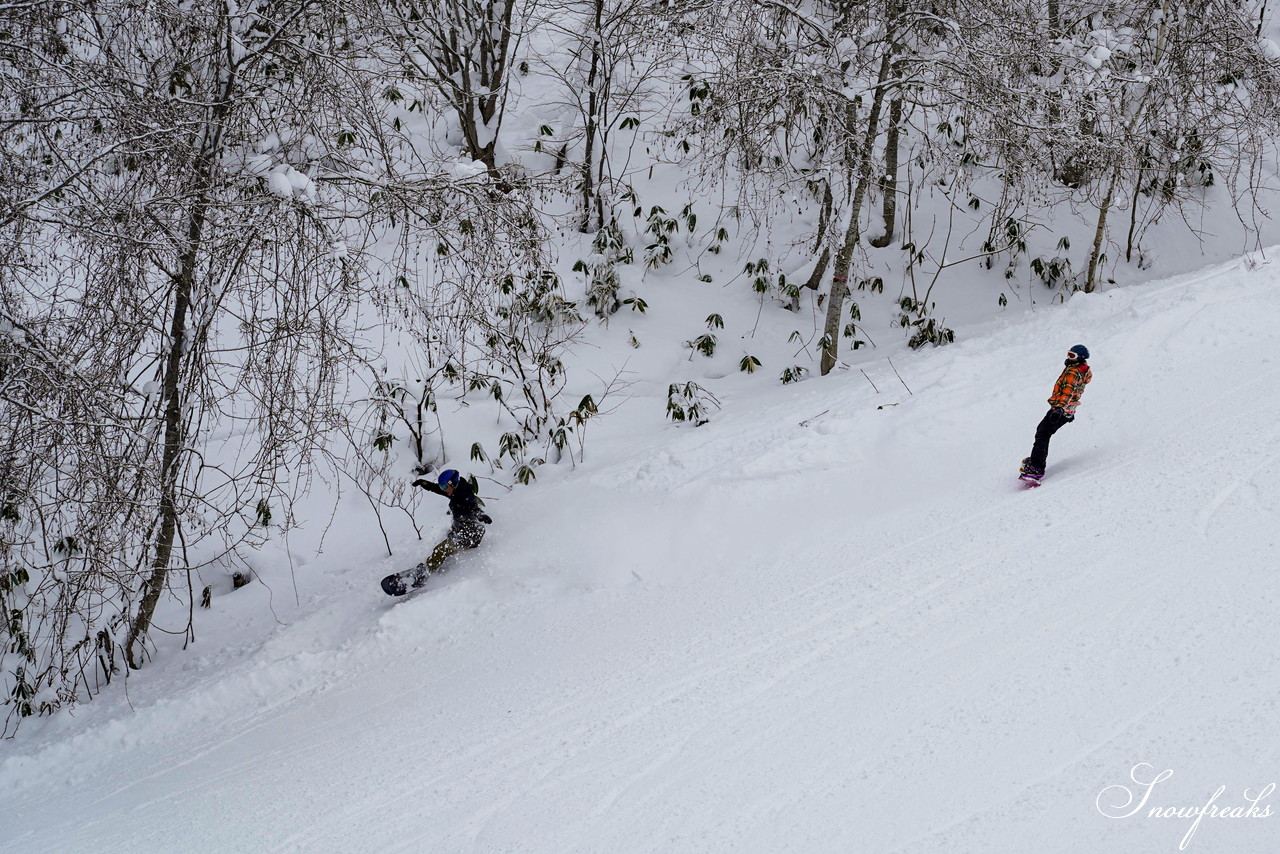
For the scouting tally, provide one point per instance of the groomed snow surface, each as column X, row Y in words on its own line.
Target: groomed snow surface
column 856, row 634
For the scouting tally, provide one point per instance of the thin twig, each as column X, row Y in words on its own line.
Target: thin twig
column 899, row 376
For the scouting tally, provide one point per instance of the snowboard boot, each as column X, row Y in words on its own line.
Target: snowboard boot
column 406, row 582
column 418, row 576
column 1030, row 468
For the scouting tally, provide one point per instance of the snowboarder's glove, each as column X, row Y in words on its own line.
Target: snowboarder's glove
column 1068, row 417
column 484, row 517
column 423, row 483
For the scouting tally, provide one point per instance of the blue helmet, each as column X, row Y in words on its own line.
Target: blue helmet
column 1081, row 351
column 448, row 476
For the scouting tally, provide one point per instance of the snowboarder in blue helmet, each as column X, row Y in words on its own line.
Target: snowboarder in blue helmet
column 466, row 532
column 1062, row 410
column 469, row 517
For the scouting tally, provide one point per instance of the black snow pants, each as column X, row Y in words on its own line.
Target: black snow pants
column 1050, row 424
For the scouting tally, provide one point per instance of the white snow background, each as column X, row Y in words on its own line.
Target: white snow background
column 831, row 620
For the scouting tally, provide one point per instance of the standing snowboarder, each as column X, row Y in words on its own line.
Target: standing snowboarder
column 466, row 532
column 1062, row 410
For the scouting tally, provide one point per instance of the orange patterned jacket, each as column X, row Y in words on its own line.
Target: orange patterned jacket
column 1069, row 387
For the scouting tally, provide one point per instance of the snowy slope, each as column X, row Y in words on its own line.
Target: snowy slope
column 853, row 635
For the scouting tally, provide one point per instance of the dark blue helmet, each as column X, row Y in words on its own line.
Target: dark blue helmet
column 448, row 476
column 1081, row 351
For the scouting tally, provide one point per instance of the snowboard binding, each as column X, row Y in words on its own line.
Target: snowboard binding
column 1030, row 473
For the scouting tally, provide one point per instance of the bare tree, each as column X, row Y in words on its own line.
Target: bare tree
column 864, row 175
column 769, row 103
column 1106, row 105
column 615, row 55
column 801, row 96
column 462, row 50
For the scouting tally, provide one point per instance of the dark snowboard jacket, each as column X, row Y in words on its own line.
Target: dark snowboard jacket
column 464, row 504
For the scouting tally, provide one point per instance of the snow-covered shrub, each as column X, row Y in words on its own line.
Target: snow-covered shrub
column 704, row 344
column 690, row 403
column 914, row 316
column 608, row 249
column 793, row 374
column 659, row 227
column 1053, row 272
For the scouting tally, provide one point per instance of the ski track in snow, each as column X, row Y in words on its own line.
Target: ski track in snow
column 858, row 635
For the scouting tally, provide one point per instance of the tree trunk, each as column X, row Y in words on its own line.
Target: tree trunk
column 592, row 124
column 1100, row 234
column 174, row 441
column 889, row 182
column 820, row 243
column 1133, row 213
column 493, row 78
column 1055, row 31
column 844, row 257
column 175, row 396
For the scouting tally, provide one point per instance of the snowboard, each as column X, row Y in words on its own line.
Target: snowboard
column 402, row 583
column 1030, row 480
